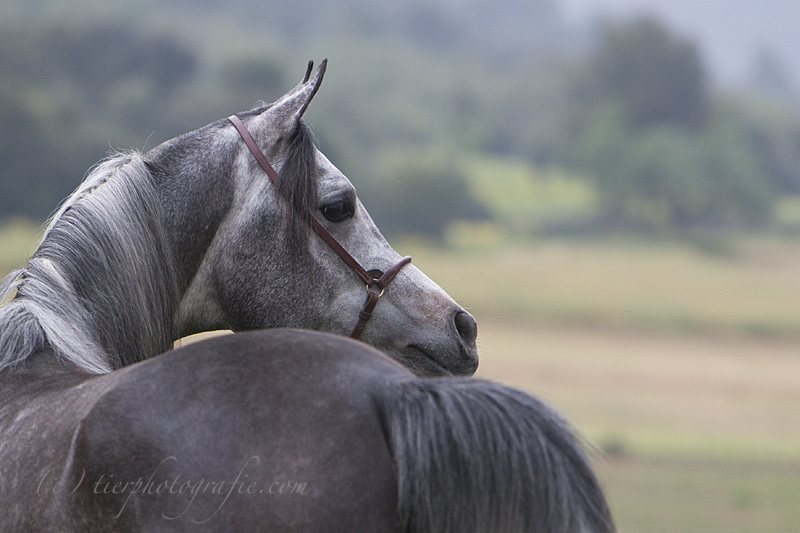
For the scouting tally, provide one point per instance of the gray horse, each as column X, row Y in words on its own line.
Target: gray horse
column 281, row 430
column 192, row 236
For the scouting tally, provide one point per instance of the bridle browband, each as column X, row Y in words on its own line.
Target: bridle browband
column 375, row 280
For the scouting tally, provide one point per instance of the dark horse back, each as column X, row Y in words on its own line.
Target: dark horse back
column 289, row 430
column 251, row 432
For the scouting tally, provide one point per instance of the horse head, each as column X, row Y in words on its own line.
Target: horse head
column 248, row 257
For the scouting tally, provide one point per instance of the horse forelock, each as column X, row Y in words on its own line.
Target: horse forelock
column 297, row 178
column 100, row 289
column 298, row 181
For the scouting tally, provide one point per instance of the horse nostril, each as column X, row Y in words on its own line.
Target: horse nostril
column 466, row 327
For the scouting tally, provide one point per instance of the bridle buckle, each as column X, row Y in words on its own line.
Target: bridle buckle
column 371, row 292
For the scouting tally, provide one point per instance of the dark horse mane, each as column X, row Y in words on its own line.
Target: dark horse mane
column 101, row 289
column 538, row 491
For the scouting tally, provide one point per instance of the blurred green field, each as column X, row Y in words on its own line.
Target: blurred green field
column 748, row 286
column 681, row 364
column 18, row 240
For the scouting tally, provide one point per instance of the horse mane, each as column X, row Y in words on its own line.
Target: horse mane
column 100, row 290
column 515, row 463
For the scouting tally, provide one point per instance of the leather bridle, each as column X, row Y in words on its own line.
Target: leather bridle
column 375, row 280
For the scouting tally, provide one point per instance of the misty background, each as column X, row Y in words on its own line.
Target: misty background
column 611, row 187
column 532, row 117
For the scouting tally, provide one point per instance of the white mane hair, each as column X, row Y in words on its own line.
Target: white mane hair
column 101, row 289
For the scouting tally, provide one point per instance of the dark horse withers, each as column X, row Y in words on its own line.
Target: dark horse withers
column 276, row 430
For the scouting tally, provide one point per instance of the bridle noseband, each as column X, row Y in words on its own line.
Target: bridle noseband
column 375, row 280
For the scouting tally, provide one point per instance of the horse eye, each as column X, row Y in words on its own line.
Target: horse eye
column 338, row 210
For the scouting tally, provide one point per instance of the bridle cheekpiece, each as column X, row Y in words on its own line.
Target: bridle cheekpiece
column 375, row 280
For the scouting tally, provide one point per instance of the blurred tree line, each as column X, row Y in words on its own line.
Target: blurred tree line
column 430, row 108
column 663, row 151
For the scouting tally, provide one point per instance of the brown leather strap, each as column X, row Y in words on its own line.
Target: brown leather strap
column 384, row 280
column 371, row 278
column 365, row 315
column 256, row 151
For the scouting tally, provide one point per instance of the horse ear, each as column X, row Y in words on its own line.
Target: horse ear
column 286, row 112
column 310, row 68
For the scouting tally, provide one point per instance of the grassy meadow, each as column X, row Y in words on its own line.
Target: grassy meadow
column 681, row 364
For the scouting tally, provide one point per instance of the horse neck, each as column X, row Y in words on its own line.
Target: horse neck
column 101, row 289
